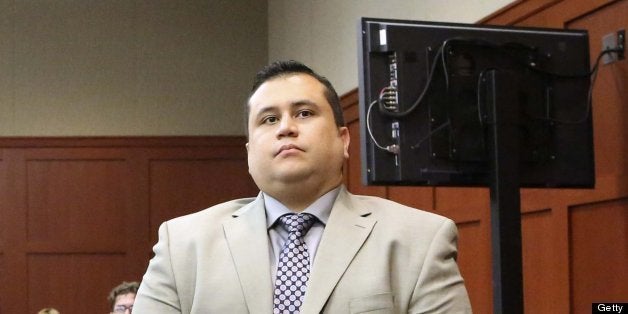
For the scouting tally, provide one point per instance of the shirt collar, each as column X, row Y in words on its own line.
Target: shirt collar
column 321, row 208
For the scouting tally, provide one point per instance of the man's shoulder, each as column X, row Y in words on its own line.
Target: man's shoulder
column 403, row 223
column 388, row 210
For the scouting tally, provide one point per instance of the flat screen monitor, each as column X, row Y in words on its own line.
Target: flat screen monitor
column 425, row 102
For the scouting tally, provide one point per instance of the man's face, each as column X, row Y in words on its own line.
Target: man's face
column 293, row 136
column 124, row 303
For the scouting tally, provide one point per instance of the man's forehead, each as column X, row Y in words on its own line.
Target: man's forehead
column 302, row 89
column 294, row 79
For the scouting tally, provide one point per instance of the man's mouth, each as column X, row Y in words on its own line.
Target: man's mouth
column 288, row 147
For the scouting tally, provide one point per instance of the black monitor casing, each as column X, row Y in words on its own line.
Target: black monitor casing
column 542, row 74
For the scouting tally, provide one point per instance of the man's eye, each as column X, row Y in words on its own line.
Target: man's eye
column 270, row 120
column 304, row 113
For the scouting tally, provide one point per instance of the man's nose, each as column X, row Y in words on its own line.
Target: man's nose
column 287, row 127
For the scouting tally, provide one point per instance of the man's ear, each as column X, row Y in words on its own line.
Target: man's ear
column 346, row 139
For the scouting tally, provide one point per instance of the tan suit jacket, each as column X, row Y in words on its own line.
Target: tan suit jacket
column 375, row 256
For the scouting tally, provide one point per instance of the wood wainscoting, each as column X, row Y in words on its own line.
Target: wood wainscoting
column 80, row 215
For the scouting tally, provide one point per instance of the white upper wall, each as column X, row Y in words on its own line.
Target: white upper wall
column 323, row 34
column 128, row 67
column 174, row 67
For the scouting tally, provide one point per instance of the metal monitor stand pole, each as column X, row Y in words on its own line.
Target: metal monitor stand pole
column 504, row 192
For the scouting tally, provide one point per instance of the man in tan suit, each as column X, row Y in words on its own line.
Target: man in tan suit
column 361, row 254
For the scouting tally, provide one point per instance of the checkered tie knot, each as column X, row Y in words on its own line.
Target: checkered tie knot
column 293, row 267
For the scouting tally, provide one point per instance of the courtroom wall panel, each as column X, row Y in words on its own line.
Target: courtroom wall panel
column 69, row 195
column 541, row 268
column 3, row 274
column 474, row 260
column 80, row 215
column 73, row 282
column 3, row 221
column 181, row 186
column 599, row 253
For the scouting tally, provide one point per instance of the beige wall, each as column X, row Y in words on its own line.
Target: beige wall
column 323, row 34
column 173, row 67
column 128, row 67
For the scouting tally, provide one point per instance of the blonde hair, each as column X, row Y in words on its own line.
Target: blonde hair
column 48, row 310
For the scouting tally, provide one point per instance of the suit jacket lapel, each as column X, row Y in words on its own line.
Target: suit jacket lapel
column 247, row 237
column 346, row 231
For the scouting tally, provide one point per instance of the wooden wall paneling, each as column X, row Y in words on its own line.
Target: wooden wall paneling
column 463, row 203
column 474, row 261
column 75, row 213
column 417, row 197
column 560, row 13
column 541, row 266
column 543, row 13
column 13, row 285
column 69, row 281
column 138, row 240
column 3, row 226
column 611, row 147
column 610, row 93
column 599, row 251
column 470, row 209
column 182, row 184
column 4, row 289
column 561, row 257
column 3, row 209
column 70, row 194
column 77, row 208
column 517, row 11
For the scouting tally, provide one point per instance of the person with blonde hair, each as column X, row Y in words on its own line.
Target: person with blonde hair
column 48, row 310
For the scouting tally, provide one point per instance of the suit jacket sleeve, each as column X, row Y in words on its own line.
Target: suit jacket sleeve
column 158, row 291
column 440, row 287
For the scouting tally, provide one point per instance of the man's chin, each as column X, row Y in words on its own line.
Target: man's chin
column 295, row 173
column 292, row 177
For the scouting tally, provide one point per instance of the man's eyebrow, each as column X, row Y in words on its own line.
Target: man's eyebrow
column 294, row 104
column 264, row 110
column 303, row 102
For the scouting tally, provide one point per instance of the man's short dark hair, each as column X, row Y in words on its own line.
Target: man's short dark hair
column 284, row 68
column 122, row 289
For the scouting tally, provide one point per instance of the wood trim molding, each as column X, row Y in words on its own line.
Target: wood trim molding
column 517, row 11
column 350, row 103
column 133, row 141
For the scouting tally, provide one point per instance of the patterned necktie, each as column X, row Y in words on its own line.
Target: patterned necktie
column 293, row 266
